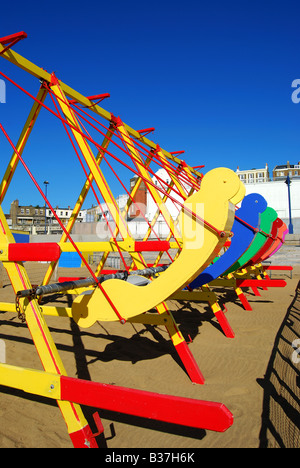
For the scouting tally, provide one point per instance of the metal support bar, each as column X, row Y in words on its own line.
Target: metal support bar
column 83, row 283
column 40, row 73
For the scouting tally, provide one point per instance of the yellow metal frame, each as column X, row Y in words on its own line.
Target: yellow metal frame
column 39, row 331
column 220, row 191
column 122, row 226
column 42, row 74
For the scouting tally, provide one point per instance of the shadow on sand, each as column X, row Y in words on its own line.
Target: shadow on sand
column 281, row 384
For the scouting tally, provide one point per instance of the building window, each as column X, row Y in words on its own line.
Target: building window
column 260, row 177
column 27, row 210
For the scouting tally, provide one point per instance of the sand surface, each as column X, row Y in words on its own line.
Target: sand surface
column 253, row 374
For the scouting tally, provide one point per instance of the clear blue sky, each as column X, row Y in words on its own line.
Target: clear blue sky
column 214, row 79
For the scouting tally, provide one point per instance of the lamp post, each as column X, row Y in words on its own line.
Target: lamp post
column 288, row 183
column 46, row 183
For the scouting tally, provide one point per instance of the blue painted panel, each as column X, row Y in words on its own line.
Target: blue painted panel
column 69, row 260
column 21, row 238
column 243, row 235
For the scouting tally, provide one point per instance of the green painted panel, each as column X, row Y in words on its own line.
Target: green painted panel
column 267, row 218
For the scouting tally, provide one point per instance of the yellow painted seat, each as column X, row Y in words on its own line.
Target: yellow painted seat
column 215, row 202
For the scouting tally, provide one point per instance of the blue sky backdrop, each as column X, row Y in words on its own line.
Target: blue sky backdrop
column 213, row 77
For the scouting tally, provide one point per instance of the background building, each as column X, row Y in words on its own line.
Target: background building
column 276, row 191
column 39, row 220
column 254, row 176
column 93, row 221
column 281, row 172
column 138, row 208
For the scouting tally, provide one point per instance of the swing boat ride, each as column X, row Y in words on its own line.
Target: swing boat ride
column 214, row 243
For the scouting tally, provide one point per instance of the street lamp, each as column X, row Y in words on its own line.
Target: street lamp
column 46, row 183
column 288, row 183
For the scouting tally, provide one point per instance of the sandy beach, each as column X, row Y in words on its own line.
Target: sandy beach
column 253, row 374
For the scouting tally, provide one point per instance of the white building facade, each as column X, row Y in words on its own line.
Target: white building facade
column 254, row 176
column 276, row 195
